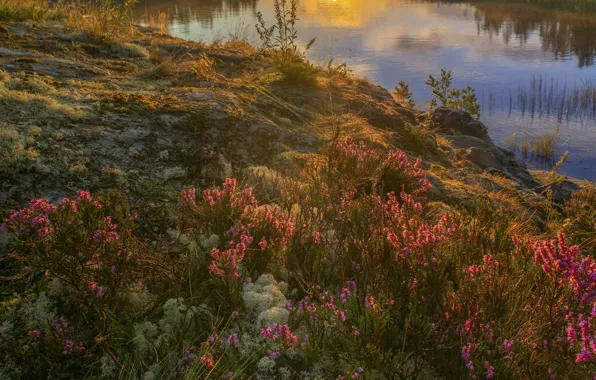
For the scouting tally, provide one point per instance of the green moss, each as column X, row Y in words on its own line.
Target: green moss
column 14, row 153
column 17, row 104
column 31, row 84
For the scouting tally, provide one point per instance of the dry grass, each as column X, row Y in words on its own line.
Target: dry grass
column 159, row 21
column 541, row 147
column 101, row 19
column 37, row 10
column 185, row 68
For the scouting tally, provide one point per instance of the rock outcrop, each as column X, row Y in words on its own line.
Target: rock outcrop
column 471, row 138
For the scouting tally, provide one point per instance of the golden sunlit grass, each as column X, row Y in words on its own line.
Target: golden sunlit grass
column 37, row 10
column 159, row 20
column 185, row 68
column 102, row 19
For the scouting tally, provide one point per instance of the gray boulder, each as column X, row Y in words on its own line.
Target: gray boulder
column 561, row 191
column 458, row 121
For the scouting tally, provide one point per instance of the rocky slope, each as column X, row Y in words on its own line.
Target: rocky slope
column 158, row 113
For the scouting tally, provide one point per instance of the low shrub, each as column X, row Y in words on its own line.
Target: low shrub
column 348, row 271
column 281, row 39
column 446, row 96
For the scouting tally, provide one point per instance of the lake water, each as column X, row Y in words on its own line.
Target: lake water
column 501, row 50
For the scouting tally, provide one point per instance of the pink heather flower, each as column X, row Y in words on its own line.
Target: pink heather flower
column 281, row 334
column 112, row 236
column 60, row 325
column 273, row 354
column 98, row 236
column 229, row 375
column 68, row 345
column 571, row 335
column 83, row 196
column 42, row 205
column 233, row 339
column 67, row 203
column 466, row 355
column 34, row 334
column 187, row 197
column 356, row 332
column 490, row 371
column 263, row 244
column 235, row 314
column 134, row 216
column 584, row 356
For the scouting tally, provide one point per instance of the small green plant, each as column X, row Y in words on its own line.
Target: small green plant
column 553, row 176
column 543, row 147
column 287, row 34
column 513, row 143
column 281, row 38
column 446, row 96
column 403, row 94
column 337, row 71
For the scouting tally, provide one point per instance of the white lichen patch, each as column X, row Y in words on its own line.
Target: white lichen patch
column 265, row 300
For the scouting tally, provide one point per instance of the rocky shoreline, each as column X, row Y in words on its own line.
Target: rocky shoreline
column 145, row 117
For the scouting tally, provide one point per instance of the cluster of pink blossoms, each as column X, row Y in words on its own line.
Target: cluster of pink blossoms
column 94, row 289
column 59, row 326
column 35, row 218
column 248, row 219
column 228, row 194
column 281, row 334
column 108, row 234
column 568, row 266
column 352, row 374
column 225, row 263
column 586, row 341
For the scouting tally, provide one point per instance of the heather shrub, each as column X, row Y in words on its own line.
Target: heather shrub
column 346, row 271
column 246, row 237
column 86, row 246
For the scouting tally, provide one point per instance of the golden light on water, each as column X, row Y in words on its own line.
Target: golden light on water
column 344, row 13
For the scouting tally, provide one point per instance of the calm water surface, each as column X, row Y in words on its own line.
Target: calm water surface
column 495, row 48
